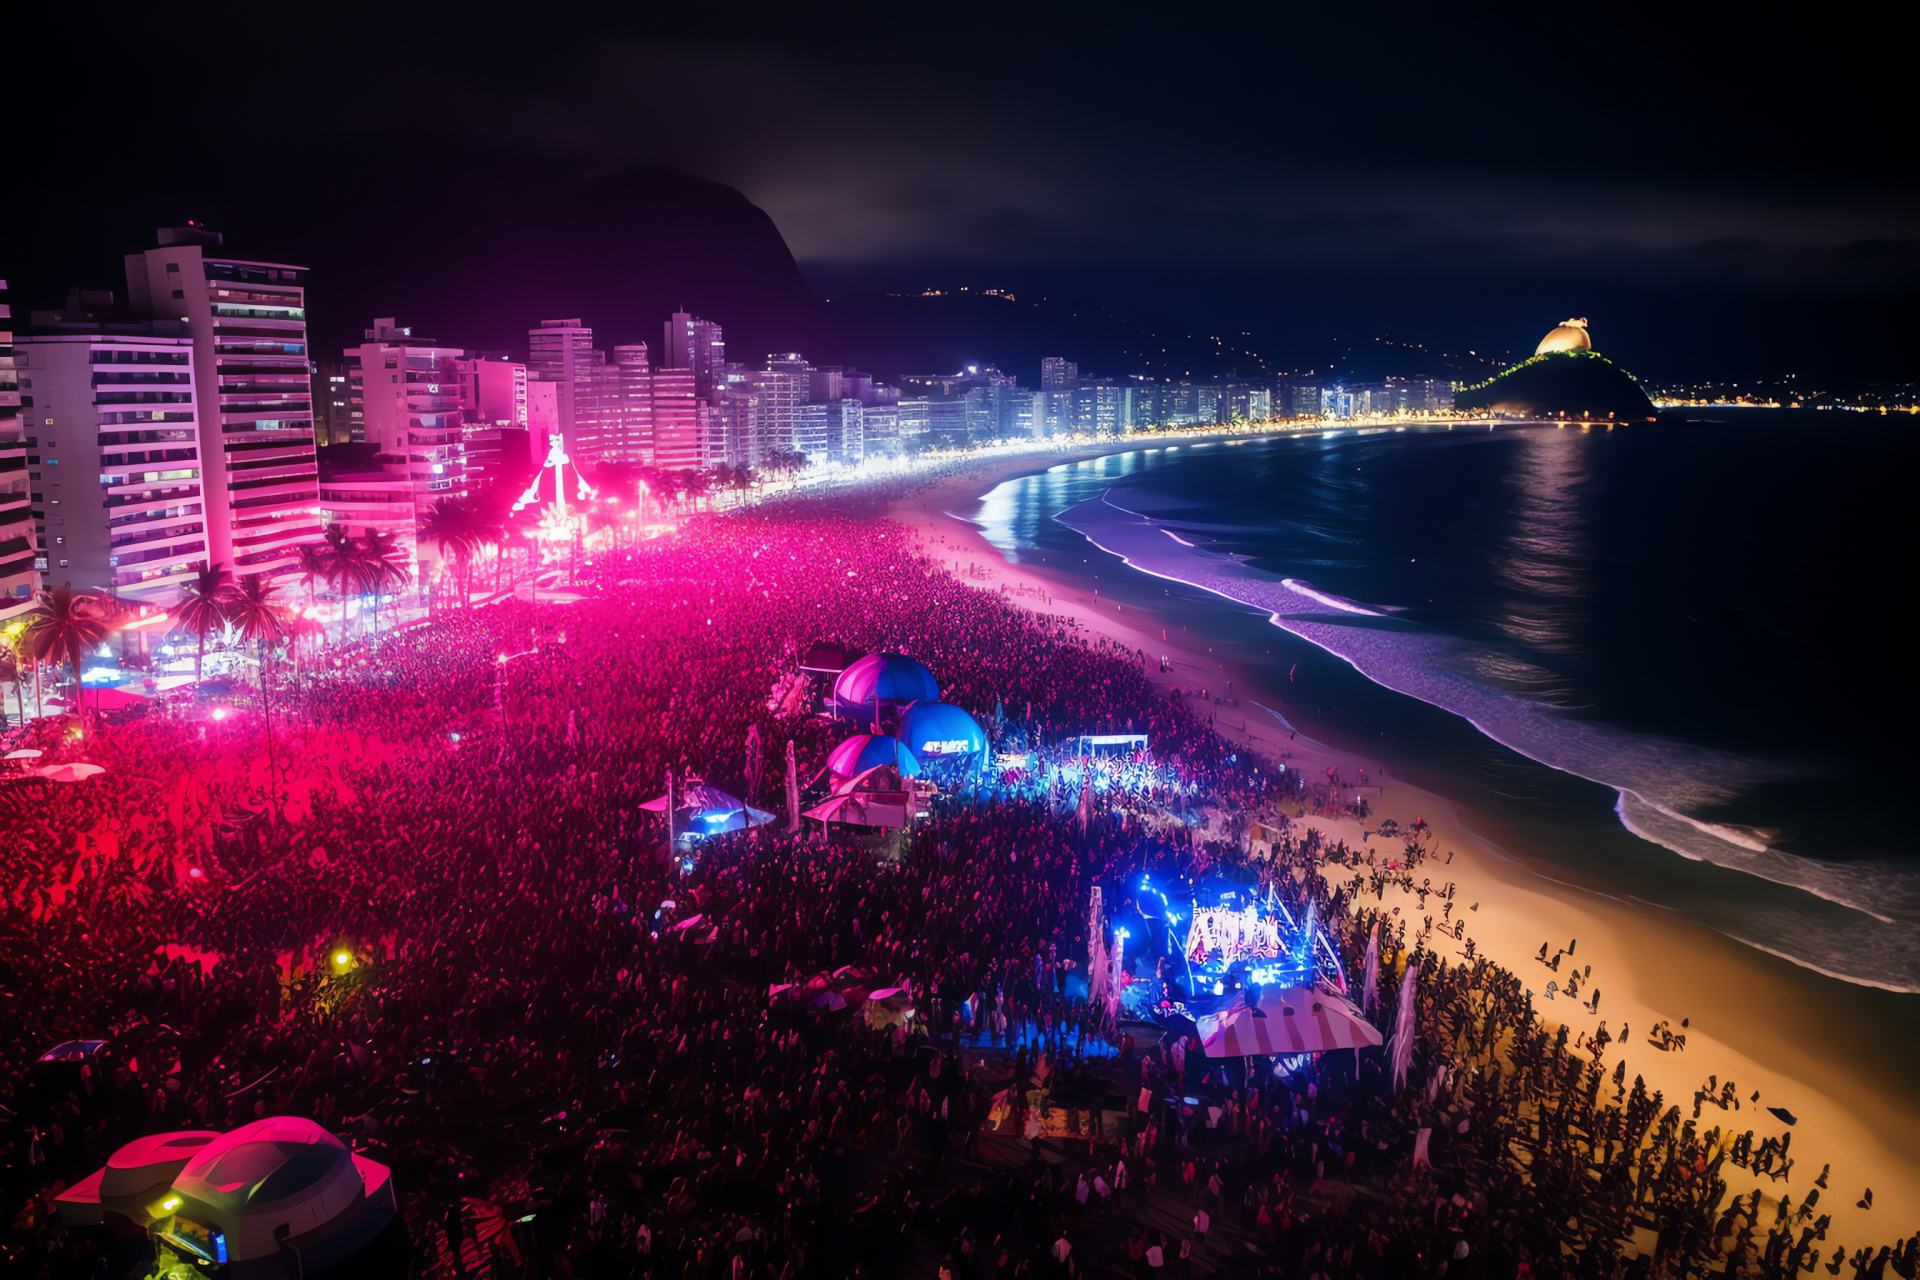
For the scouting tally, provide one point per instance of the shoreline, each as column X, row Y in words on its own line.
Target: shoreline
column 1748, row 1024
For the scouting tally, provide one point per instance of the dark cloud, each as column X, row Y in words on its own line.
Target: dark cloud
column 1397, row 148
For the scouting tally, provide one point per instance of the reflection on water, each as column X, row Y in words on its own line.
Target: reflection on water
column 1544, row 550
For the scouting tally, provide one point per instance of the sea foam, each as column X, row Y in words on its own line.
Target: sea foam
column 1873, row 940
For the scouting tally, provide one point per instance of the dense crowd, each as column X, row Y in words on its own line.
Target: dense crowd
column 565, row 1083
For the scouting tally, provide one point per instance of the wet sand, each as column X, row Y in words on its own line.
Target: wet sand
column 1747, row 1024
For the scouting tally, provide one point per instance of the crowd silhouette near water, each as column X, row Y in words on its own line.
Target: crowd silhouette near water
column 436, row 919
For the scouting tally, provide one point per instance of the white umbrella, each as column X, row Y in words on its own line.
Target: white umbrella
column 71, row 772
column 24, row 753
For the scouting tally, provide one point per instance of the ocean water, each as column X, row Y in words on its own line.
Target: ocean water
column 1668, row 659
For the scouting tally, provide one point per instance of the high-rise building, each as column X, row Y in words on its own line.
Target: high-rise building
column 248, row 324
column 733, row 422
column 696, row 344
column 830, row 433
column 679, row 437
column 333, row 421
column 493, row 389
column 880, row 430
column 119, row 462
column 1057, row 374
column 543, row 415
column 626, row 413
column 19, row 540
column 561, row 352
column 1418, row 395
column 493, row 419
column 781, row 388
column 825, row 384
column 916, row 420
column 408, row 395
column 1244, row 403
column 1303, row 399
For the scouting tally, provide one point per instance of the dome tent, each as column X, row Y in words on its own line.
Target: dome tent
column 934, row 730
column 884, row 677
column 134, row 1179
column 277, row 1185
column 865, row 750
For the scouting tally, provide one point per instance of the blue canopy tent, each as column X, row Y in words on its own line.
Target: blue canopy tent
column 890, row 679
column 863, row 751
column 943, row 737
column 703, row 810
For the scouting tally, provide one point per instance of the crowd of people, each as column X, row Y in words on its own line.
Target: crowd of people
column 566, row 1083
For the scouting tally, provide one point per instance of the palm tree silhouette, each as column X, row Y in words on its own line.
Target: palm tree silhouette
column 64, row 627
column 348, row 572
column 315, row 560
column 386, row 563
column 460, row 528
column 204, row 607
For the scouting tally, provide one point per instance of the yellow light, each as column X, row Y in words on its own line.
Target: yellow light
column 342, row 959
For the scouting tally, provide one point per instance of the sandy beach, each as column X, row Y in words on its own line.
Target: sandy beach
column 1744, row 1023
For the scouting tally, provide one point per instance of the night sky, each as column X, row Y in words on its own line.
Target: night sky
column 1178, row 188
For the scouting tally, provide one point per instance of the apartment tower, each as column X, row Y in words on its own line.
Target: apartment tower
column 248, row 325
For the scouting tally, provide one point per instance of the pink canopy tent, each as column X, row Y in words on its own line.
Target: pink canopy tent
column 1296, row 1020
column 877, row 797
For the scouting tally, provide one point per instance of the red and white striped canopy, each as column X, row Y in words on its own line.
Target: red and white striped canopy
column 1297, row 1020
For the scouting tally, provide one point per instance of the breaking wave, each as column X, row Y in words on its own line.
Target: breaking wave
column 1873, row 940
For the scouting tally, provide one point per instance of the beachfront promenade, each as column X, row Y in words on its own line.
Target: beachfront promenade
column 565, row 1083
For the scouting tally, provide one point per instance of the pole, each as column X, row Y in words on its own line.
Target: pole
column 266, row 717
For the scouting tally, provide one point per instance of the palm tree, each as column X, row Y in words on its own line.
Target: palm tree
column 204, row 606
column 348, row 572
column 453, row 525
column 255, row 615
column 386, row 565
column 315, row 560
column 696, row 485
column 64, row 627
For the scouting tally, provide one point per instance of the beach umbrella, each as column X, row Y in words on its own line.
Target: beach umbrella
column 24, row 753
column 863, row 751
column 681, row 926
column 72, row 1051
column 1403, row 1026
column 829, row 1001
column 777, row 988
column 72, row 772
column 884, row 677
column 1290, row 1021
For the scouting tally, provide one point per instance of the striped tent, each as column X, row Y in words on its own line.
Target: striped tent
column 1295, row 1020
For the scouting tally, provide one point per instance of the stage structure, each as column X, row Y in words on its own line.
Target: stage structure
column 1218, row 952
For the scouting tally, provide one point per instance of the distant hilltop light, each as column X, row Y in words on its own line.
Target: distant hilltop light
column 1570, row 335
